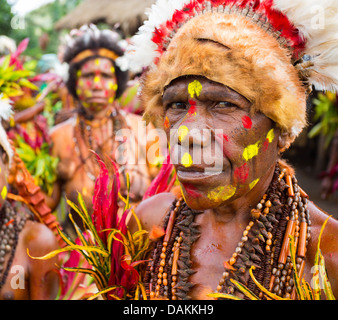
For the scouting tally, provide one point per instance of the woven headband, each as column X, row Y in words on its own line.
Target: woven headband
column 102, row 52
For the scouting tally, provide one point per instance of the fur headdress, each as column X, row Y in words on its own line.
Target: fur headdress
column 5, row 114
column 270, row 51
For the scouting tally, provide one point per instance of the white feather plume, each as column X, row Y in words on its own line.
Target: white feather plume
column 5, row 113
column 5, row 108
column 142, row 52
column 317, row 20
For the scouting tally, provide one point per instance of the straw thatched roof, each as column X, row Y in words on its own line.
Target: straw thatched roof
column 128, row 13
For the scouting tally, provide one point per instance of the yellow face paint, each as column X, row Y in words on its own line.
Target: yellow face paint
column 96, row 79
column 4, row 192
column 112, row 86
column 84, row 191
column 271, row 135
column 112, row 70
column 194, row 88
column 79, row 73
column 251, row 151
column 182, row 132
column 253, row 183
column 97, row 62
column 222, row 193
column 182, row 193
column 110, row 100
column 186, row 160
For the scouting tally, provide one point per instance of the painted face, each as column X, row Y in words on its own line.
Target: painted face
column 96, row 84
column 219, row 148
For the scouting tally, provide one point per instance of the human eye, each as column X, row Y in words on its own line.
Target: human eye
column 177, row 106
column 225, row 104
column 87, row 75
column 107, row 75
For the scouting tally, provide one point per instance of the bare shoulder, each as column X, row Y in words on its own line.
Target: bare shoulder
column 62, row 129
column 153, row 210
column 330, row 234
column 38, row 238
column 62, row 136
column 328, row 243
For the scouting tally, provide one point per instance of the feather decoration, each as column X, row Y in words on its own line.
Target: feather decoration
column 5, row 113
column 309, row 27
column 160, row 183
column 318, row 22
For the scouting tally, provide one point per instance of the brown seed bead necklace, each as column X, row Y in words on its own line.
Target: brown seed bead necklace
column 10, row 229
column 264, row 244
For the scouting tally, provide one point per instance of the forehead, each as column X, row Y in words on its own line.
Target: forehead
column 196, row 85
column 97, row 63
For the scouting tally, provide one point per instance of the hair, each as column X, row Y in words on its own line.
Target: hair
column 93, row 40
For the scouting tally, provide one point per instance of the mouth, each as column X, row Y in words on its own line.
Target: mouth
column 196, row 173
column 97, row 99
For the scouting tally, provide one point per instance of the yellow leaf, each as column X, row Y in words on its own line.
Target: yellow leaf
column 69, row 248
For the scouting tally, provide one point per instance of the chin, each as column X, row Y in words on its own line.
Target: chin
column 200, row 203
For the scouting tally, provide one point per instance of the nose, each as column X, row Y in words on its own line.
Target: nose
column 194, row 134
column 97, row 83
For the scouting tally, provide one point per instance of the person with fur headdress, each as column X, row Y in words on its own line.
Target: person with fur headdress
column 22, row 278
column 230, row 79
column 97, row 78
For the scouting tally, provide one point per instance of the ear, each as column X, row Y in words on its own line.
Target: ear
column 283, row 141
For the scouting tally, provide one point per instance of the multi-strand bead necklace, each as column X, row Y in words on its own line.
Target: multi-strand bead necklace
column 264, row 244
column 83, row 132
column 10, row 228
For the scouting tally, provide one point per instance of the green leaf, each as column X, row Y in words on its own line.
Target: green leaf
column 244, row 290
column 325, row 280
column 106, row 290
column 69, row 248
column 26, row 83
column 224, row 296
column 298, row 285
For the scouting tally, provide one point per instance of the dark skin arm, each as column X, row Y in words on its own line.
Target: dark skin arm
column 29, row 114
column 40, row 281
column 43, row 281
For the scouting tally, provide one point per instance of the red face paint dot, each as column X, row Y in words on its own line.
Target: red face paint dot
column 242, row 173
column 265, row 145
column 191, row 190
column 166, row 123
column 247, row 123
column 192, row 110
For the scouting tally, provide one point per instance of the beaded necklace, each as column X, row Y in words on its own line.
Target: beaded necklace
column 83, row 132
column 264, row 244
column 10, row 229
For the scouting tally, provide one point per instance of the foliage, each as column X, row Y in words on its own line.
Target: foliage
column 41, row 21
column 35, row 153
column 75, row 285
column 5, row 17
column 113, row 252
column 13, row 79
column 303, row 288
column 326, row 112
